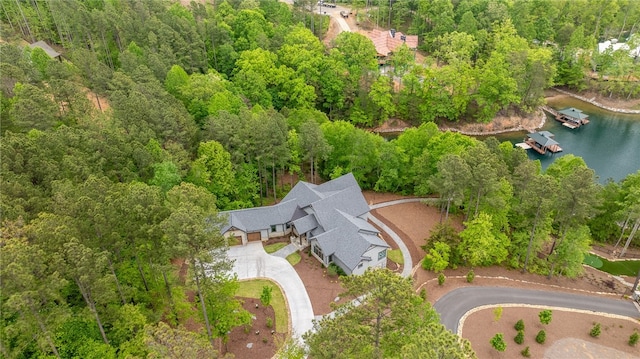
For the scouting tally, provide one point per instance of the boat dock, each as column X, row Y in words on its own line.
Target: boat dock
column 570, row 117
column 541, row 142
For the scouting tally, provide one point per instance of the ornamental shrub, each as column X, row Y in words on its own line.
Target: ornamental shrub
column 541, row 337
column 595, row 331
column 633, row 339
column 497, row 313
column 545, row 316
column 519, row 325
column 525, row 353
column 265, row 296
column 441, row 279
column 497, row 342
column 519, row 339
column 470, row 276
column 427, row 263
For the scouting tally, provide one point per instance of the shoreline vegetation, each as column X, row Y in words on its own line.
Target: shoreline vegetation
column 506, row 124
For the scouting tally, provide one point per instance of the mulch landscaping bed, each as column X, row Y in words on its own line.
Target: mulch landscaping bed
column 263, row 344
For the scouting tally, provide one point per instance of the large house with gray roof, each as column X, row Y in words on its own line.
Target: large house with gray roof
column 331, row 218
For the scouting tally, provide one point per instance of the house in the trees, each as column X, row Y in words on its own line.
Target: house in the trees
column 48, row 49
column 387, row 42
column 331, row 218
column 613, row 45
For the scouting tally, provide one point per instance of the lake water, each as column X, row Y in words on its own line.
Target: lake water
column 609, row 144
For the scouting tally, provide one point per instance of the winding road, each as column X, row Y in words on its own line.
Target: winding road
column 456, row 303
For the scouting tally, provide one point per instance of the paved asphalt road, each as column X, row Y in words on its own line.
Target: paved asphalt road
column 331, row 11
column 456, row 303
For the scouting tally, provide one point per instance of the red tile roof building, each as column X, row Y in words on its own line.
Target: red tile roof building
column 386, row 42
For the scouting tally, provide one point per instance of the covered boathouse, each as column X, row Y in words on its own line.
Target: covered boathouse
column 572, row 117
column 542, row 142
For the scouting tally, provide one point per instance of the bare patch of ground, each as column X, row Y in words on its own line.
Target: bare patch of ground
column 501, row 123
column 391, row 125
column 99, row 102
column 332, row 33
column 481, row 326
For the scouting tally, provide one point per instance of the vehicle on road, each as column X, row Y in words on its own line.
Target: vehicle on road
column 326, row 4
column 344, row 14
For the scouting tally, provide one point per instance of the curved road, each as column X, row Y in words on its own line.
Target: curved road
column 251, row 261
column 456, row 303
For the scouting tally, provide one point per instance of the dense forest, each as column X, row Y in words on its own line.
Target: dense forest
column 116, row 159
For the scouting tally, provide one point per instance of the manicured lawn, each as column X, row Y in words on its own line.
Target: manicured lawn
column 395, row 255
column 294, row 258
column 271, row 248
column 629, row 268
column 593, row 260
column 253, row 289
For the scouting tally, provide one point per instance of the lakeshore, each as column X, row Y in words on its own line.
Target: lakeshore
column 537, row 120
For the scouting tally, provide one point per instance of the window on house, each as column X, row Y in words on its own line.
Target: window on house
column 382, row 254
column 288, row 225
column 318, row 252
column 273, row 228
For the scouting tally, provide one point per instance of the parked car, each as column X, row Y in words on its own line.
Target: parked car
column 326, row 4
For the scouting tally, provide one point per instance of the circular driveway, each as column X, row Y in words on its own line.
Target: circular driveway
column 456, row 303
column 251, row 261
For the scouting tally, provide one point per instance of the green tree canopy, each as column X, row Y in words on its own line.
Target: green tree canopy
column 388, row 304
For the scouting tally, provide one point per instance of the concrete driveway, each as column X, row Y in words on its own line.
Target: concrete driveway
column 456, row 303
column 251, row 261
column 408, row 262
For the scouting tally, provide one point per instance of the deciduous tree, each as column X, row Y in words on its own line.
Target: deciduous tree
column 387, row 305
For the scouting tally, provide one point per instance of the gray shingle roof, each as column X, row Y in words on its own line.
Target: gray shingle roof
column 303, row 193
column 348, row 241
column 332, row 212
column 43, row 45
column 259, row 218
column 305, row 224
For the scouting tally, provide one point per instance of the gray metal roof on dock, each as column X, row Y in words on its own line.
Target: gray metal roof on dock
column 573, row 112
column 542, row 140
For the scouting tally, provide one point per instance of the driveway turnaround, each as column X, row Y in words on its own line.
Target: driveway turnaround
column 401, row 201
column 456, row 303
column 251, row 261
column 408, row 262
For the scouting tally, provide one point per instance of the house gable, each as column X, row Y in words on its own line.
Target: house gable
column 333, row 216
